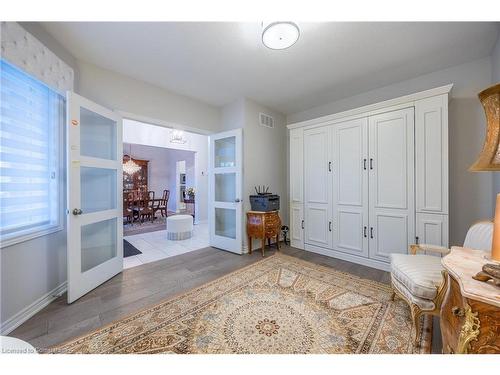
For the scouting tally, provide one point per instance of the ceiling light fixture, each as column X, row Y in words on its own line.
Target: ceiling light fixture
column 279, row 35
column 177, row 136
column 130, row 167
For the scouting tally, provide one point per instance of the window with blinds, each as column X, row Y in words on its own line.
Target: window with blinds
column 31, row 119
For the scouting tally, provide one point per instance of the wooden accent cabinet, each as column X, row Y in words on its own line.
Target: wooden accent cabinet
column 263, row 225
column 470, row 313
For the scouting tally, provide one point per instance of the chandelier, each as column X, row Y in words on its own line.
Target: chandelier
column 177, row 136
column 130, row 166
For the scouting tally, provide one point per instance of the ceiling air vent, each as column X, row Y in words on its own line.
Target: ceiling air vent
column 266, row 120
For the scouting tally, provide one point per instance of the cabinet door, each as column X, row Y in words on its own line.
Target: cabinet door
column 317, row 186
column 297, row 226
column 391, row 171
column 296, row 166
column 432, row 229
column 431, row 154
column 296, row 173
column 350, row 187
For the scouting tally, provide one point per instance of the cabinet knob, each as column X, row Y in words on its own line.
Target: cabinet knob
column 457, row 311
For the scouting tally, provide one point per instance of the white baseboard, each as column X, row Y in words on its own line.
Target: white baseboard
column 348, row 257
column 15, row 321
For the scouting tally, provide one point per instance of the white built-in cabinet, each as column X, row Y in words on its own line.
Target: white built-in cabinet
column 297, row 188
column 371, row 181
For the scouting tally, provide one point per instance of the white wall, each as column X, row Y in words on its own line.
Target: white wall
column 158, row 136
column 470, row 193
column 264, row 151
column 122, row 93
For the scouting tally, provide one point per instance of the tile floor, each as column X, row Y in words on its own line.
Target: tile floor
column 155, row 246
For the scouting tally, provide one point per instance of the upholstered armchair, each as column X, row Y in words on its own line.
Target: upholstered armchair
column 420, row 280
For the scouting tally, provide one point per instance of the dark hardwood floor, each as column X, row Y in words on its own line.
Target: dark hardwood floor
column 146, row 285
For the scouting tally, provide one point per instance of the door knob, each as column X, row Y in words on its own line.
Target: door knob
column 237, row 200
column 77, row 211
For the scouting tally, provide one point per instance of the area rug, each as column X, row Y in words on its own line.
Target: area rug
column 278, row 305
column 129, row 249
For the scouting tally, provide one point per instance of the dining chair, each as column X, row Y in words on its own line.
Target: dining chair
column 145, row 209
column 163, row 203
column 128, row 213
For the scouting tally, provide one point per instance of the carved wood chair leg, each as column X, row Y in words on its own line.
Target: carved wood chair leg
column 263, row 245
column 249, row 245
column 416, row 313
column 278, row 242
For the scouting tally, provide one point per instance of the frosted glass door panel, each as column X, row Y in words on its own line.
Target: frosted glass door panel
column 99, row 243
column 225, row 187
column 97, row 135
column 225, row 152
column 225, row 222
column 98, row 189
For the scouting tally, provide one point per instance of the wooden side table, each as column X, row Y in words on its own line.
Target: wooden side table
column 470, row 313
column 263, row 225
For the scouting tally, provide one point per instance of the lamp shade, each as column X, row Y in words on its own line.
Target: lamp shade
column 489, row 159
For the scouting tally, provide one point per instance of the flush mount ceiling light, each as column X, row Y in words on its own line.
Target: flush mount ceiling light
column 279, row 35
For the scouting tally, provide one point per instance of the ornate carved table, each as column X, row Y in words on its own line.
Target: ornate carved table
column 470, row 313
column 263, row 225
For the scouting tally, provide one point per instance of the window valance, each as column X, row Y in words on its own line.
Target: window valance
column 23, row 50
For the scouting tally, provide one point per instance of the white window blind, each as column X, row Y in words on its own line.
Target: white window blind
column 31, row 120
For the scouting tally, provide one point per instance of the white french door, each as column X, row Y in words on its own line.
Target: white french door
column 94, row 195
column 225, row 190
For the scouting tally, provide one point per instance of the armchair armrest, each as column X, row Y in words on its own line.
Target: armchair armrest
column 432, row 248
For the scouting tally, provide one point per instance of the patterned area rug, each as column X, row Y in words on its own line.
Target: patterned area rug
column 278, row 305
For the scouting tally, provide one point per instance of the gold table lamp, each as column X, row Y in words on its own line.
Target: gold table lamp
column 489, row 159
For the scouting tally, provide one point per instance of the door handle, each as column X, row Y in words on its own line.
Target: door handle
column 364, row 231
column 364, row 164
column 329, row 166
column 77, row 211
column 330, row 226
column 371, row 232
column 302, row 224
column 237, row 200
column 371, row 163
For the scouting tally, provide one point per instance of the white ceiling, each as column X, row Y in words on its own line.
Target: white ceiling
column 219, row 62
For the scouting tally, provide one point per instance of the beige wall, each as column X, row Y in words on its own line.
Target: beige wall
column 470, row 193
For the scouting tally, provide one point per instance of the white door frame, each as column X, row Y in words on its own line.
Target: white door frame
column 80, row 283
column 234, row 245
